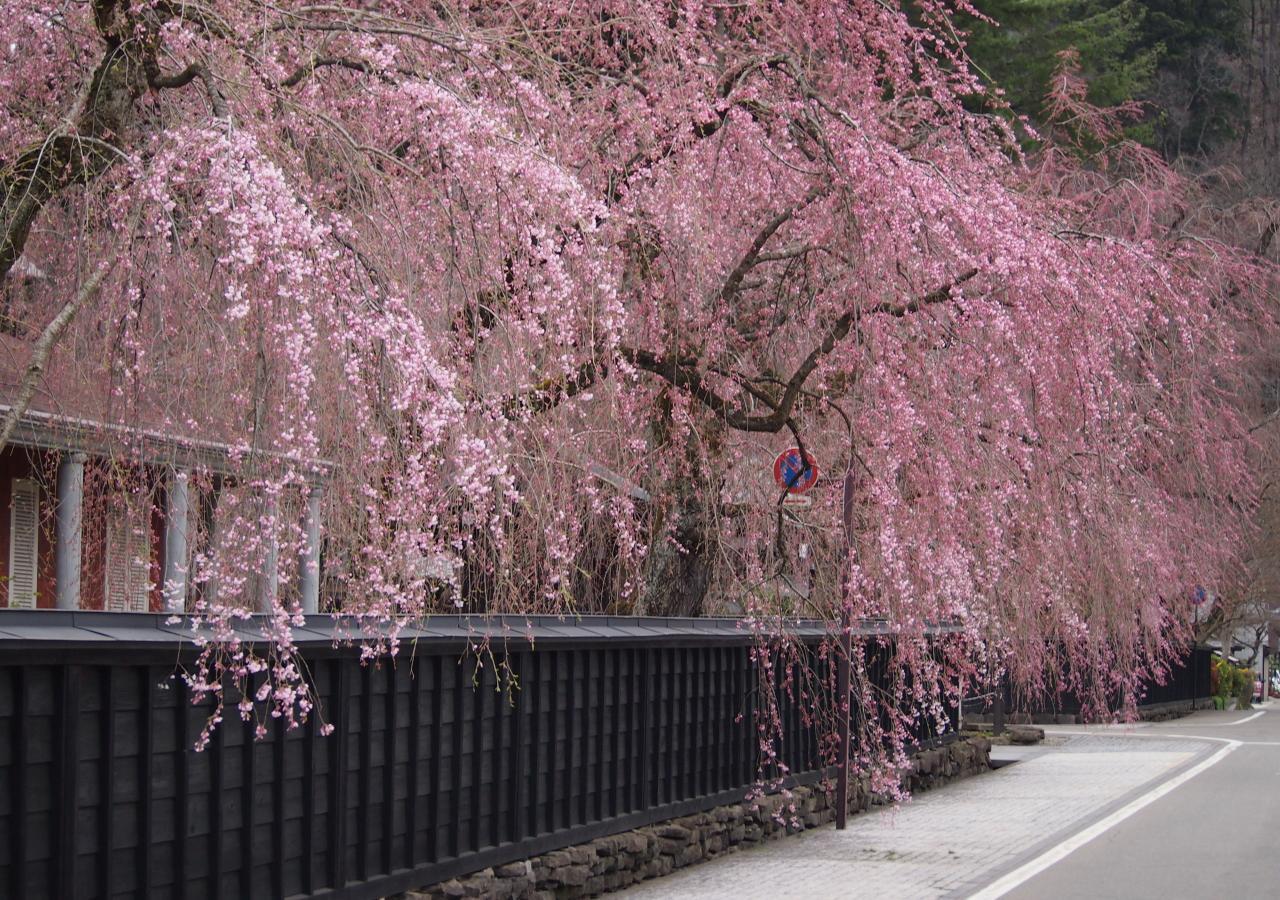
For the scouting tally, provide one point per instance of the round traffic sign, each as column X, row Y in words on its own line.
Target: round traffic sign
column 793, row 473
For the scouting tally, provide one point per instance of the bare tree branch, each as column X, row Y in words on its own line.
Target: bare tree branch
column 320, row 62
column 43, row 349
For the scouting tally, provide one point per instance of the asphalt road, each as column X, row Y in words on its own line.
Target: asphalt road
column 1215, row 834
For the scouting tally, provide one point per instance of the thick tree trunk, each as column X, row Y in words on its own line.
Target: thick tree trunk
column 680, row 563
column 680, row 557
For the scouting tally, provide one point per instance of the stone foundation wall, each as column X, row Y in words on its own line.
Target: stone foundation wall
column 614, row 862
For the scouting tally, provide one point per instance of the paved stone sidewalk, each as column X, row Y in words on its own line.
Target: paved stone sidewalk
column 952, row 841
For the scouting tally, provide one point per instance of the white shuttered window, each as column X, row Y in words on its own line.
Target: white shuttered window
column 24, row 543
column 128, row 557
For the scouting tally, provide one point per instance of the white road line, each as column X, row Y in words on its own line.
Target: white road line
column 1133, row 729
column 1029, row 870
column 1260, row 712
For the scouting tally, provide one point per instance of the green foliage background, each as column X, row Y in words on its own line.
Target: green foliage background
column 1176, row 56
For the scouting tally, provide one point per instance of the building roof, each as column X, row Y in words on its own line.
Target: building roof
column 74, row 410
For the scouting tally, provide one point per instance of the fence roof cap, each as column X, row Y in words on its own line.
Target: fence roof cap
column 46, row 628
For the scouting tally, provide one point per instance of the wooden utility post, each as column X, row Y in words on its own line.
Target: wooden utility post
column 842, row 688
column 842, row 669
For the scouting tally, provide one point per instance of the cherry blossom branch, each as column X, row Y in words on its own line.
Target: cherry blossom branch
column 101, row 116
column 753, row 256
column 78, row 155
column 838, row 331
column 705, row 129
column 682, row 372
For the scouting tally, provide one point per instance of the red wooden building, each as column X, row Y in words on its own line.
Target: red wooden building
column 82, row 527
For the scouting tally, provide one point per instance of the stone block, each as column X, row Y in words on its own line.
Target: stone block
column 675, row 832
column 631, row 842
column 1025, row 734
column 671, row 846
column 479, row 884
column 508, row 888
column 581, row 855
column 658, row 866
column 690, row 854
column 573, row 876
column 554, row 860
column 514, row 869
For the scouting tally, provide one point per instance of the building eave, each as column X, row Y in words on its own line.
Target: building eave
column 71, row 434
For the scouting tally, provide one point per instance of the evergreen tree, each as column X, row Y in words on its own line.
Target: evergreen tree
column 1176, row 55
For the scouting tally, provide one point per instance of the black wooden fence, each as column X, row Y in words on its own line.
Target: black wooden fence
column 1186, row 684
column 433, row 770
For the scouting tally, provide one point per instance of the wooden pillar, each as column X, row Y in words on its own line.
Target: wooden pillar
column 269, row 581
column 309, row 564
column 70, row 530
column 176, row 564
column 207, row 514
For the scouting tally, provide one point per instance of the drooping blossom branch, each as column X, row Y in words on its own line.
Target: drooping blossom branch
column 540, row 297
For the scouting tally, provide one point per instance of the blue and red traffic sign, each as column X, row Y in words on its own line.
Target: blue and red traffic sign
column 794, row 473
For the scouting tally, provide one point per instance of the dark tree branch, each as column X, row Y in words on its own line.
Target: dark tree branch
column 320, row 62
column 682, row 372
column 836, row 333
column 728, row 82
column 753, row 255
column 158, row 81
column 551, row 392
column 79, row 153
column 90, row 138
